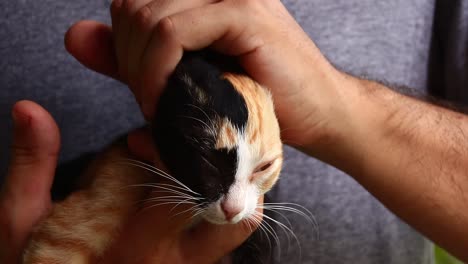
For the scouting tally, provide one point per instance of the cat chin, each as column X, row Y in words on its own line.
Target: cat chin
column 218, row 221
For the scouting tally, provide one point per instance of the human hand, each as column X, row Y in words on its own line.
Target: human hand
column 150, row 37
column 25, row 200
column 25, row 196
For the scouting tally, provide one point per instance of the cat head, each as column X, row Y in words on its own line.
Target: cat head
column 218, row 135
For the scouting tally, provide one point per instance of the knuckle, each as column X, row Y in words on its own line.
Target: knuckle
column 128, row 6
column 143, row 17
column 23, row 156
column 165, row 26
column 115, row 6
column 245, row 3
column 250, row 7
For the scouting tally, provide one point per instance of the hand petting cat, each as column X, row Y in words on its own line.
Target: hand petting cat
column 151, row 35
column 330, row 115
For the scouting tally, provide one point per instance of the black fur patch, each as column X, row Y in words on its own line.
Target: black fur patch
column 183, row 123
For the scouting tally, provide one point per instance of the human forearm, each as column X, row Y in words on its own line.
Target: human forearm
column 323, row 112
column 411, row 155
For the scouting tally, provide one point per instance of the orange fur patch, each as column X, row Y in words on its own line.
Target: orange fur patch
column 262, row 129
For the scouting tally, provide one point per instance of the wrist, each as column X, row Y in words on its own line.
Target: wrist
column 353, row 116
column 332, row 109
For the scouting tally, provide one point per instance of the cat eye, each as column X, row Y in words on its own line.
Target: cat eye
column 263, row 167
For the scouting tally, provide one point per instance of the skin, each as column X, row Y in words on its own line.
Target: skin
column 411, row 155
column 25, row 200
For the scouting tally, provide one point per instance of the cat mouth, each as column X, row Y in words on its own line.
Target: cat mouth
column 221, row 219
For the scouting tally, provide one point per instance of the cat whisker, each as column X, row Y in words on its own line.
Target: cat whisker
column 197, row 213
column 196, row 119
column 289, row 205
column 156, row 199
column 273, row 234
column 201, row 110
column 186, row 201
column 282, row 216
column 301, row 210
column 157, row 171
column 210, row 119
column 164, row 188
column 257, row 219
column 265, row 226
column 199, row 210
column 210, row 129
column 187, row 210
column 167, row 185
column 248, row 223
column 168, row 198
column 288, row 231
column 176, row 202
column 153, row 168
column 209, row 163
column 150, row 166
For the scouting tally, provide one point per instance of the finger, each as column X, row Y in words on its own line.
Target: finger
column 137, row 34
column 131, row 12
column 115, row 8
column 115, row 11
column 141, row 145
column 224, row 25
column 159, row 61
column 122, row 12
column 91, row 43
column 26, row 194
column 217, row 22
column 146, row 19
column 198, row 243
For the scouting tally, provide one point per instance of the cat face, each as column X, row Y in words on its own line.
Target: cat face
column 218, row 134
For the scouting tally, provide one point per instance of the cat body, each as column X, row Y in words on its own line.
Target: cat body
column 216, row 132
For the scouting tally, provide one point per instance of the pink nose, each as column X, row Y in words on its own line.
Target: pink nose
column 230, row 210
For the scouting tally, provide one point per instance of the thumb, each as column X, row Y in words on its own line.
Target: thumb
column 25, row 197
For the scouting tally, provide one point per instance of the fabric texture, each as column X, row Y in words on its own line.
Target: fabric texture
column 417, row 43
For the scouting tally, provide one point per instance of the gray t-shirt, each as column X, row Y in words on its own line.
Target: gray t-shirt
column 416, row 43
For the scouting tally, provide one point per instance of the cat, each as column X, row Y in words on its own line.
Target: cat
column 218, row 136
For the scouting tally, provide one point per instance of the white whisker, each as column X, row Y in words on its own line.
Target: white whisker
column 155, row 199
column 256, row 217
column 274, row 235
column 163, row 189
column 287, row 231
column 197, row 213
column 157, row 171
column 196, row 119
column 304, row 212
column 187, row 210
column 201, row 110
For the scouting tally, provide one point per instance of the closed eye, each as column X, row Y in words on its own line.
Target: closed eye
column 263, row 167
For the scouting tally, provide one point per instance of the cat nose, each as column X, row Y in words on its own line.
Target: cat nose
column 230, row 210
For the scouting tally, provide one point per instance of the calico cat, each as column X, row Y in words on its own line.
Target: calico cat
column 218, row 135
